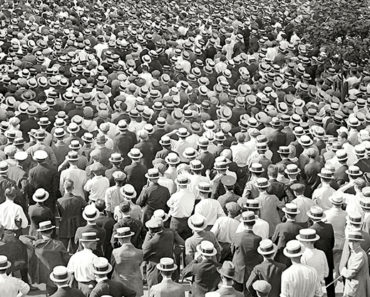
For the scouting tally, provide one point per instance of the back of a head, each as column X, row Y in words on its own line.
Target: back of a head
column 272, row 171
column 100, row 205
column 10, row 193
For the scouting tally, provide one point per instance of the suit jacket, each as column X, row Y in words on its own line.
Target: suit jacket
column 269, row 271
column 283, row 233
column 167, row 288
column 126, row 262
column 277, row 139
column 68, row 292
column 341, row 176
column 107, row 224
column 70, row 210
column 147, row 149
column 326, row 241
column 39, row 213
column 100, row 232
column 135, row 226
column 111, row 288
column 103, row 155
column 363, row 164
column 205, row 276
column 135, row 175
column 124, row 142
column 246, row 256
column 207, row 160
column 277, row 188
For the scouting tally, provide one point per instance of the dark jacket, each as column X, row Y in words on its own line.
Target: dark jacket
column 39, row 213
column 326, row 241
column 100, row 233
column 111, row 288
column 68, row 292
column 135, row 175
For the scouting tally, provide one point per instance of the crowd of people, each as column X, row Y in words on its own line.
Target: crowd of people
column 149, row 145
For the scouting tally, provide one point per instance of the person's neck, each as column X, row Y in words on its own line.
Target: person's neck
column 91, row 223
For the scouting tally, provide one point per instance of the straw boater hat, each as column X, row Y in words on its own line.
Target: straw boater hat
column 128, row 191
column 60, row 274
column 135, row 154
column 355, row 236
column 123, row 232
column 293, row 249
column 40, row 195
column 90, row 213
column 307, row 235
column 291, row 208
column 266, row 247
column 206, row 248
column 89, row 237
column 227, row 269
column 45, row 226
column 316, row 213
column 166, row 264
column 101, row 266
column 197, row 222
column 160, row 213
column 4, row 263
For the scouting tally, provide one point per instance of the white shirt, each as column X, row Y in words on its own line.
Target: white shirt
column 79, row 178
column 241, row 153
column 338, row 218
column 321, row 196
column 181, row 203
column 81, row 264
column 316, row 259
column 303, row 204
column 211, row 209
column 300, row 280
column 97, row 186
column 195, row 179
column 9, row 211
column 11, row 286
column 225, row 229
column 260, row 228
column 113, row 198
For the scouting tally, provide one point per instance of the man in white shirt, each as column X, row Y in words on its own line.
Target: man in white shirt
column 98, row 185
column 81, row 263
column 10, row 286
column 303, row 203
column 312, row 256
column 113, row 195
column 209, row 208
column 321, row 195
column 12, row 216
column 181, row 205
column 225, row 229
column 260, row 227
column 77, row 175
column 240, row 152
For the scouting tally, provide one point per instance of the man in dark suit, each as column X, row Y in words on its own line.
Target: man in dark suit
column 276, row 139
column 363, row 161
column 70, row 209
column 204, row 270
column 43, row 176
column 135, row 225
column 30, row 123
column 165, row 142
column 340, row 175
column 269, row 270
column 135, row 172
column 227, row 273
column 146, row 148
column 310, row 172
column 286, row 231
column 153, row 196
column 158, row 243
column 90, row 214
column 325, row 243
column 277, row 188
column 105, row 286
column 205, row 156
column 101, row 152
column 61, row 277
column 106, row 222
column 124, row 141
column 245, row 252
column 39, row 212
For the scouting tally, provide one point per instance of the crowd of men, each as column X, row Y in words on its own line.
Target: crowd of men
column 145, row 145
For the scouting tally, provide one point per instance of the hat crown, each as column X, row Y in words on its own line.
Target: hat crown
column 89, row 236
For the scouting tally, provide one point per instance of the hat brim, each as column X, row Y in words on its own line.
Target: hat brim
column 103, row 272
column 124, row 236
column 290, row 255
column 295, row 172
column 90, row 219
column 214, row 252
column 56, row 280
column 273, row 251
column 41, row 200
column 166, row 269
column 149, row 224
column 298, row 237
column 327, row 177
column 115, row 161
column 135, row 157
column 9, row 264
column 291, row 212
column 46, row 229
column 357, row 174
column 316, row 218
column 192, row 227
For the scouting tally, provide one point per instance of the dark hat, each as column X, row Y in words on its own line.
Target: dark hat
column 227, row 269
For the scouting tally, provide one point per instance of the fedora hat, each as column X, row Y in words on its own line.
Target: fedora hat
column 4, row 263
column 89, row 237
column 60, row 274
column 90, row 213
column 206, row 248
column 128, row 191
column 135, row 154
column 40, row 195
column 45, row 226
column 307, row 235
column 166, row 264
column 197, row 222
column 316, row 213
column 291, row 208
column 266, row 247
column 293, row 249
column 123, row 232
column 227, row 269
column 101, row 266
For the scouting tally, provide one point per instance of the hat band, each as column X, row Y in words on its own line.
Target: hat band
column 90, row 216
column 198, row 225
column 359, row 237
column 308, row 236
column 356, row 220
column 3, row 265
column 291, row 210
column 267, row 249
column 124, row 233
column 317, row 215
column 101, row 269
column 167, row 266
column 294, row 251
column 60, row 276
column 207, row 251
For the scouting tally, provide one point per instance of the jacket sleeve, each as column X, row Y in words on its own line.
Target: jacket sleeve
column 252, row 278
column 357, row 261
